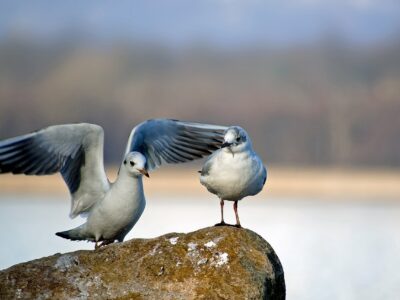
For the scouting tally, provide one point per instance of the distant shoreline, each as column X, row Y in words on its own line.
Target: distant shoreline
column 320, row 183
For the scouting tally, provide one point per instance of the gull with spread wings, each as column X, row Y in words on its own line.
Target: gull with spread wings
column 76, row 151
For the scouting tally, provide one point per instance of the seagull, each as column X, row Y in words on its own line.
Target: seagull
column 234, row 171
column 76, row 151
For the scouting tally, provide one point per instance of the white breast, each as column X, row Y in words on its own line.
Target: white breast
column 232, row 177
column 120, row 209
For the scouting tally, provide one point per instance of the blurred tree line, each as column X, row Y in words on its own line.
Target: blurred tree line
column 329, row 103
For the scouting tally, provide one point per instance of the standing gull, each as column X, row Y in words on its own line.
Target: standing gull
column 76, row 151
column 234, row 171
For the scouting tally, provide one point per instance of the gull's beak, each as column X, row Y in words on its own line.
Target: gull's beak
column 225, row 144
column 144, row 172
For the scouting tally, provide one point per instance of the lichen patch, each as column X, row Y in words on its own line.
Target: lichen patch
column 66, row 261
column 174, row 240
column 220, row 259
column 210, row 244
column 192, row 246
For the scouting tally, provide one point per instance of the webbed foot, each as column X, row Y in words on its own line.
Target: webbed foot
column 102, row 244
column 221, row 224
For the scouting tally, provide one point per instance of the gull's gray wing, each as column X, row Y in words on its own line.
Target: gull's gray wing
column 173, row 141
column 74, row 150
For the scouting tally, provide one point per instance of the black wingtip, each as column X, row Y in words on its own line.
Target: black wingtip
column 63, row 234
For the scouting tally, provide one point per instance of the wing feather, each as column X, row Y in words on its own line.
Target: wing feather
column 74, row 150
column 173, row 141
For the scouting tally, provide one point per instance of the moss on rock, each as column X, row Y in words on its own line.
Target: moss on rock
column 211, row 263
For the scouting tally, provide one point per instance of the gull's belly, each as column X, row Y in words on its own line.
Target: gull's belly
column 114, row 216
column 228, row 185
column 233, row 178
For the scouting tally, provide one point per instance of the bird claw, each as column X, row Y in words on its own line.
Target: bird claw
column 102, row 244
column 230, row 225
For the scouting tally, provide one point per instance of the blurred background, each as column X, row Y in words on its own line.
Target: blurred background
column 316, row 83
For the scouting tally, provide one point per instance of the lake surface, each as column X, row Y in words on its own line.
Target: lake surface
column 329, row 250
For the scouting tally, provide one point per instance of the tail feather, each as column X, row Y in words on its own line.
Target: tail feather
column 75, row 234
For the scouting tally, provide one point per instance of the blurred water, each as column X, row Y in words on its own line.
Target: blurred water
column 329, row 250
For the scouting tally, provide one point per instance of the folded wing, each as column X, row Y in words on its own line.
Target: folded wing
column 74, row 150
column 172, row 141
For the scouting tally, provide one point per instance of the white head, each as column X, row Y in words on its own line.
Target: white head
column 236, row 139
column 135, row 164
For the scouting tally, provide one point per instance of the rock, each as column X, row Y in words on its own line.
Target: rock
column 211, row 263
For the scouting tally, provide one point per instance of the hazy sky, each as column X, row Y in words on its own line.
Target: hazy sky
column 213, row 21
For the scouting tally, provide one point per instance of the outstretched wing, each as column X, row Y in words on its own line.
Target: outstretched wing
column 74, row 150
column 172, row 141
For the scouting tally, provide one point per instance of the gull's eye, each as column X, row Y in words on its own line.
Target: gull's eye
column 132, row 163
column 238, row 139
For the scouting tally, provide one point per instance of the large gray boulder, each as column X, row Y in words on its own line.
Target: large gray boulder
column 211, row 263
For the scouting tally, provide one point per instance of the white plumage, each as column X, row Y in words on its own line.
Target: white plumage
column 235, row 171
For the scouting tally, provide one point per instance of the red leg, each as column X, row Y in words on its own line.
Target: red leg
column 222, row 223
column 236, row 214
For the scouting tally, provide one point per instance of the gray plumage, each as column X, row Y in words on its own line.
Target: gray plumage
column 174, row 141
column 76, row 151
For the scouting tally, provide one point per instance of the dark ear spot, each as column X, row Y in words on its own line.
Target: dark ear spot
column 125, row 162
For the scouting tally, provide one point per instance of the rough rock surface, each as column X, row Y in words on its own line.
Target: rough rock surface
column 211, row 263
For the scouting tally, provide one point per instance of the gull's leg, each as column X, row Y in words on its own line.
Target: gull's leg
column 106, row 242
column 237, row 215
column 222, row 223
column 98, row 244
